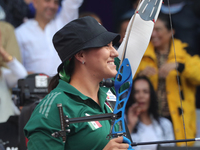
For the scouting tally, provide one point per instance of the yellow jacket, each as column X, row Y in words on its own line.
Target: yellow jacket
column 189, row 79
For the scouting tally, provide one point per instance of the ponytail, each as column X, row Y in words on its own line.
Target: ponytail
column 64, row 74
column 53, row 83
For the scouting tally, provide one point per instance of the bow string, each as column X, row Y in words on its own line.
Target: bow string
column 177, row 73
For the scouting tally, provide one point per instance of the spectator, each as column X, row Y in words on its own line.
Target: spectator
column 124, row 21
column 95, row 16
column 9, row 41
column 15, row 12
column 31, row 8
column 158, row 63
column 35, row 35
column 144, row 122
column 8, row 79
column 119, row 11
column 11, row 70
column 2, row 14
column 185, row 22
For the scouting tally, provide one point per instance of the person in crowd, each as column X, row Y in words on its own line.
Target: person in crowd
column 11, row 70
column 31, row 8
column 95, row 16
column 15, row 12
column 35, row 35
column 122, row 28
column 8, row 79
column 185, row 16
column 159, row 63
column 185, row 22
column 9, row 41
column 124, row 21
column 119, row 11
column 87, row 53
column 142, row 116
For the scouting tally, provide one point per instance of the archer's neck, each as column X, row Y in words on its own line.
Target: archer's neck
column 86, row 85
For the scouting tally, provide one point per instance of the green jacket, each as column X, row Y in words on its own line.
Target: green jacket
column 83, row 136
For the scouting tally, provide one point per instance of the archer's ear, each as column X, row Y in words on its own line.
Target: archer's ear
column 80, row 56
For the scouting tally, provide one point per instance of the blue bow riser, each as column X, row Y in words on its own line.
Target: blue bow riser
column 122, row 79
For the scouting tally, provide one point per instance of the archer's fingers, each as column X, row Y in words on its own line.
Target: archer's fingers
column 120, row 145
column 118, row 139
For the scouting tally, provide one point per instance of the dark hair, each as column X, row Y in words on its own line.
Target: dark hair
column 55, row 79
column 153, row 108
column 166, row 19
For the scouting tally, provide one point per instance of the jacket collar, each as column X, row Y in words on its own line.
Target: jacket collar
column 67, row 88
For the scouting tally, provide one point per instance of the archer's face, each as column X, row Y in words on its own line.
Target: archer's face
column 161, row 36
column 142, row 94
column 100, row 61
column 46, row 9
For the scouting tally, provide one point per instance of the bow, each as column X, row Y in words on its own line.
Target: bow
column 143, row 20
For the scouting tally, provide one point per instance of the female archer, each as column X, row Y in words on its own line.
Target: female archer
column 87, row 53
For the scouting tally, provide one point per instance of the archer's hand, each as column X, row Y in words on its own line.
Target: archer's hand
column 148, row 71
column 165, row 69
column 116, row 144
column 132, row 116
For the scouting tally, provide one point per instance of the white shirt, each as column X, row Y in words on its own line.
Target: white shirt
column 8, row 79
column 153, row 132
column 37, row 50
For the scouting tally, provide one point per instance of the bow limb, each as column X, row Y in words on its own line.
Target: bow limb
column 139, row 32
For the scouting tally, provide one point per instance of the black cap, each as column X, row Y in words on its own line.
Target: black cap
column 80, row 34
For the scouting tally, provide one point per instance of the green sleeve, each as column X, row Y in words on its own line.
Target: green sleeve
column 44, row 121
column 51, row 143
